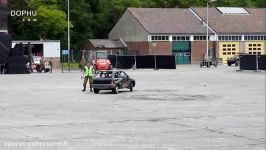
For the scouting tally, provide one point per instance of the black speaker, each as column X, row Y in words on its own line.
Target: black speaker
column 17, row 70
column 17, row 61
column 18, row 50
column 5, row 46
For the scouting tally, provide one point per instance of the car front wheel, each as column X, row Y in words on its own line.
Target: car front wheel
column 39, row 68
column 116, row 90
column 131, row 87
column 96, row 91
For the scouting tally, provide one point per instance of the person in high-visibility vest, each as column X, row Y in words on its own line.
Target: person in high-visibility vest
column 88, row 74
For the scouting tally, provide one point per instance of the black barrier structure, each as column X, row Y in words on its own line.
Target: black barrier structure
column 122, row 62
column 248, row 62
column 112, row 59
column 125, row 62
column 143, row 62
column 262, row 62
column 165, row 62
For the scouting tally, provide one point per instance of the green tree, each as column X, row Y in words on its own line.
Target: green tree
column 51, row 22
column 261, row 3
column 15, row 24
column 234, row 3
column 82, row 20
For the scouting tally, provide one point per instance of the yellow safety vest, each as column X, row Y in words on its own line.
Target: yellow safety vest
column 90, row 71
column 86, row 71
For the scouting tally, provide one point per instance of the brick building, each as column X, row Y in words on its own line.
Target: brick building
column 182, row 32
column 112, row 46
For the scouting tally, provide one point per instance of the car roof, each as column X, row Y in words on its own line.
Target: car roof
column 109, row 71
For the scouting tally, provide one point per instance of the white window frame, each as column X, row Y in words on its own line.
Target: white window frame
column 255, row 37
column 181, row 37
column 229, row 37
column 159, row 38
column 201, row 37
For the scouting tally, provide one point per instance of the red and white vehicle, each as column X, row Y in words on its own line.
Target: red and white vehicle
column 100, row 60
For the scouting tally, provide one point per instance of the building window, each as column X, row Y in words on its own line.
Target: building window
column 159, row 38
column 255, row 38
column 180, row 38
column 229, row 38
column 200, row 38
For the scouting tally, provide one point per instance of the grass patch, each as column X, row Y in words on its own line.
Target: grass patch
column 72, row 65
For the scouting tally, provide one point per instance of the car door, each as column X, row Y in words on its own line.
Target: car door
column 118, row 79
column 125, row 79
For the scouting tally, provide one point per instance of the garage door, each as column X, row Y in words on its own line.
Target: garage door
column 182, row 52
column 228, row 49
column 254, row 48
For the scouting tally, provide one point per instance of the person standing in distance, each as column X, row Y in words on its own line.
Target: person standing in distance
column 88, row 74
column 42, row 62
column 51, row 64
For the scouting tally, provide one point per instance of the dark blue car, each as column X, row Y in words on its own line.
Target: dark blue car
column 112, row 80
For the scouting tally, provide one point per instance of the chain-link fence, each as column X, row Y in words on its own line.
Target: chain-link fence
column 74, row 56
column 70, row 60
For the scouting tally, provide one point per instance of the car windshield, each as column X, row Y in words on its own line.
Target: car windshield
column 101, row 55
column 36, row 58
column 104, row 74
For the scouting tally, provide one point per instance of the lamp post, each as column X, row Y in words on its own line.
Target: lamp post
column 68, row 35
column 207, row 35
column 207, row 28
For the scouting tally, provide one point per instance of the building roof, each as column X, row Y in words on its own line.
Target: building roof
column 109, row 44
column 168, row 20
column 252, row 23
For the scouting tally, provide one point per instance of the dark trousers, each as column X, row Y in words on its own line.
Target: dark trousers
column 86, row 78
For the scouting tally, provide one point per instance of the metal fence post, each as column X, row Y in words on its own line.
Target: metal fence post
column 257, row 63
column 115, row 60
column 30, row 56
column 155, row 63
column 135, row 65
column 62, row 61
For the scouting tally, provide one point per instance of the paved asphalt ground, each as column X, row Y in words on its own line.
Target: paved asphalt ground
column 184, row 109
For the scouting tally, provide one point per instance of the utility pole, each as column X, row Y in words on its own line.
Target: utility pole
column 207, row 28
column 68, row 35
column 207, row 35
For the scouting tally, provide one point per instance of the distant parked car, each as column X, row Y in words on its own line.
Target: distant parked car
column 36, row 64
column 233, row 60
column 112, row 80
